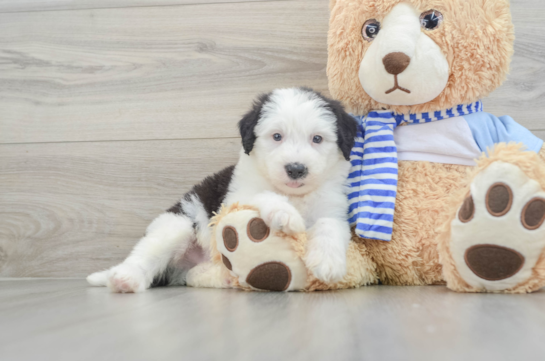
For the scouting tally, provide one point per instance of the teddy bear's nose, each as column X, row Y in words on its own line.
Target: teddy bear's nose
column 396, row 63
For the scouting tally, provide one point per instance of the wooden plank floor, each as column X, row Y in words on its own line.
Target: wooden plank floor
column 111, row 109
column 76, row 207
column 141, row 73
column 12, row 6
column 65, row 320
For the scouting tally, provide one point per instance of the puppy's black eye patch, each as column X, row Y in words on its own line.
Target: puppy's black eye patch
column 431, row 19
column 277, row 137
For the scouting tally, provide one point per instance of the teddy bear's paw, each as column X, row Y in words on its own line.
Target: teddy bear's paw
column 260, row 257
column 127, row 278
column 498, row 234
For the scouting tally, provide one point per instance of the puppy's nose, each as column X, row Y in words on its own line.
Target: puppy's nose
column 296, row 170
column 396, row 63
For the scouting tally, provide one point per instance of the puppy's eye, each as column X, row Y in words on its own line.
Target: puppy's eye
column 370, row 29
column 431, row 19
column 317, row 139
column 277, row 137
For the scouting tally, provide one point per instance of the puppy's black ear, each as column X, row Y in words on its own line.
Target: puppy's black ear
column 248, row 123
column 347, row 127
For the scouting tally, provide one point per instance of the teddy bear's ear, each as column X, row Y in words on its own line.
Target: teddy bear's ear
column 247, row 124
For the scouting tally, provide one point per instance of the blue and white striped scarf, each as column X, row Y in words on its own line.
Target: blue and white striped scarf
column 373, row 176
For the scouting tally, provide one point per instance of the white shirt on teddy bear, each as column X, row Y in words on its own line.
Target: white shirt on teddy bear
column 460, row 140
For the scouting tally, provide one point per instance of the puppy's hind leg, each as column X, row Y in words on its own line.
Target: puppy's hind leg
column 167, row 234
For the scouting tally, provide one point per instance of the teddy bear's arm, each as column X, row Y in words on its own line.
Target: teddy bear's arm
column 489, row 130
column 542, row 153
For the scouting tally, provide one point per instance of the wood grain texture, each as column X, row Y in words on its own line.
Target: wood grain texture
column 66, row 320
column 69, row 209
column 177, row 72
column 523, row 94
column 10, row 6
column 137, row 73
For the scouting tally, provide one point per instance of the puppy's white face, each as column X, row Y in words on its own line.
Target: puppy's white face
column 296, row 146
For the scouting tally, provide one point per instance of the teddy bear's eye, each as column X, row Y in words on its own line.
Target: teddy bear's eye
column 370, row 29
column 431, row 19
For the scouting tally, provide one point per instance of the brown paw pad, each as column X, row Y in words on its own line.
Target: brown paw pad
column 227, row 263
column 492, row 262
column 271, row 276
column 499, row 199
column 230, row 238
column 533, row 214
column 467, row 211
column 258, row 230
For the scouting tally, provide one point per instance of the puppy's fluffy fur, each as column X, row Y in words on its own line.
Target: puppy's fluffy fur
column 284, row 128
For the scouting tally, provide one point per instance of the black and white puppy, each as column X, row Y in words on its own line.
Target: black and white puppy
column 293, row 167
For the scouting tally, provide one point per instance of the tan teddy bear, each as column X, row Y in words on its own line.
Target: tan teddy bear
column 413, row 72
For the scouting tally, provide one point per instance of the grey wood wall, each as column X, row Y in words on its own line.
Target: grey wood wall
column 112, row 109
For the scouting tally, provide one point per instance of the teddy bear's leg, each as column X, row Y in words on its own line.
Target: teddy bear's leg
column 411, row 258
column 494, row 240
column 256, row 256
column 209, row 275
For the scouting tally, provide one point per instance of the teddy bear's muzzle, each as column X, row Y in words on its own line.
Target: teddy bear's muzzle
column 396, row 63
column 492, row 262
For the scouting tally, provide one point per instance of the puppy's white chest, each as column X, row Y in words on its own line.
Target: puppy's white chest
column 299, row 204
column 307, row 207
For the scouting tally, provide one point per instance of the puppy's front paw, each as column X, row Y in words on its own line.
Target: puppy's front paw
column 286, row 219
column 126, row 278
column 327, row 266
column 278, row 213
